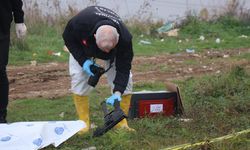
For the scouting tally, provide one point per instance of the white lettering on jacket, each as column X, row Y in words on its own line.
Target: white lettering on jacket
column 107, row 13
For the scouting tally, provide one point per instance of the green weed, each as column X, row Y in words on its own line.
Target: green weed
column 43, row 38
column 217, row 105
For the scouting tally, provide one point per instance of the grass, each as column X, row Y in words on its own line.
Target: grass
column 245, row 56
column 35, row 47
column 42, row 39
column 218, row 105
column 38, row 44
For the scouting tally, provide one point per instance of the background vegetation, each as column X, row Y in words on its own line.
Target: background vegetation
column 217, row 105
column 232, row 27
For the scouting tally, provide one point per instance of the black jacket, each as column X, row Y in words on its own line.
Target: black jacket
column 8, row 9
column 79, row 38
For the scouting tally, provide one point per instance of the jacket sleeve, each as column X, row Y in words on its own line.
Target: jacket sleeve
column 17, row 11
column 74, row 45
column 123, row 62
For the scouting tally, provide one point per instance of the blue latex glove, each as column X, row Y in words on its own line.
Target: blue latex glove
column 111, row 99
column 86, row 67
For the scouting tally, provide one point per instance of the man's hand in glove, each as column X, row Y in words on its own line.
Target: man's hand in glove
column 20, row 30
column 112, row 98
column 86, row 67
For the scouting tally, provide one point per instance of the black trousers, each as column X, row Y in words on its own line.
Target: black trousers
column 4, row 83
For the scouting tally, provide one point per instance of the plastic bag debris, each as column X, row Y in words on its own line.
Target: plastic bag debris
column 33, row 63
column 54, row 53
column 145, row 42
column 57, row 54
column 217, row 40
column 190, row 50
column 202, row 38
column 243, row 36
column 166, row 27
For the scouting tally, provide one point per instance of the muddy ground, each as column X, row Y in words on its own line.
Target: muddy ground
column 51, row 80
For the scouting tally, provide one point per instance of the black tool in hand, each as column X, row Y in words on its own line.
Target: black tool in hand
column 111, row 118
column 98, row 72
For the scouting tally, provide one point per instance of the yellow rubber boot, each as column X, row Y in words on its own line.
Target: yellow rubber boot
column 82, row 108
column 125, row 103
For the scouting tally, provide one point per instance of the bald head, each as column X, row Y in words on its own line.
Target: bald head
column 106, row 37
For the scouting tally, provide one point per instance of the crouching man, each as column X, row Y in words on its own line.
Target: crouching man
column 99, row 33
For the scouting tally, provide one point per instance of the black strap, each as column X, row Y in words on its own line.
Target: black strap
column 110, row 64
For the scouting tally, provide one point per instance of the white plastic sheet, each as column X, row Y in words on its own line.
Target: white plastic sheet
column 37, row 135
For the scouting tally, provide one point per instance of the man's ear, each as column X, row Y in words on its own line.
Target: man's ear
column 95, row 36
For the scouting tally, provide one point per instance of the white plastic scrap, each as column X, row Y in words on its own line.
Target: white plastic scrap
column 243, row 36
column 190, row 50
column 57, row 54
column 202, row 38
column 217, row 40
column 144, row 42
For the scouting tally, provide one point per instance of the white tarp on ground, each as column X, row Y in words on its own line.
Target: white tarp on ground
column 37, row 135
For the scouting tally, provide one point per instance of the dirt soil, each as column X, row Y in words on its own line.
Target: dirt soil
column 52, row 80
